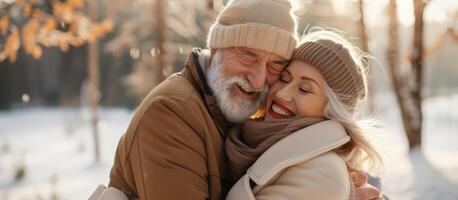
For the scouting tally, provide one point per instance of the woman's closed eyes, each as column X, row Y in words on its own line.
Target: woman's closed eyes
column 305, row 87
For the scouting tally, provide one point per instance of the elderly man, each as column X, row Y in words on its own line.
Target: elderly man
column 173, row 148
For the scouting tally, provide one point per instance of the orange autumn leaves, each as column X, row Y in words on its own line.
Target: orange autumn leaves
column 66, row 26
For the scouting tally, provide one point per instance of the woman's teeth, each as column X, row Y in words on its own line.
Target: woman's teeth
column 280, row 111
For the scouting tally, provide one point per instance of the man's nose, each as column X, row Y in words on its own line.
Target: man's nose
column 257, row 76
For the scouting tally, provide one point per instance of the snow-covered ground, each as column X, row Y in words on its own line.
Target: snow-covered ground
column 55, row 147
column 432, row 172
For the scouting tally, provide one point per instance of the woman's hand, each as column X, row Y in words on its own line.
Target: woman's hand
column 363, row 190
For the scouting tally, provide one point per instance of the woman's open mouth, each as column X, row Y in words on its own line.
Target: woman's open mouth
column 280, row 111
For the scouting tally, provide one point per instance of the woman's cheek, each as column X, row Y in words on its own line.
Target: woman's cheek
column 308, row 106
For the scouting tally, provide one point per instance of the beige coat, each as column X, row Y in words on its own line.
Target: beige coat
column 300, row 166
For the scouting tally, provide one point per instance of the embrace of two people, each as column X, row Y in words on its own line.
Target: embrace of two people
column 261, row 114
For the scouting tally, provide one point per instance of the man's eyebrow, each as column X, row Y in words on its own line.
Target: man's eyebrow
column 249, row 51
column 281, row 62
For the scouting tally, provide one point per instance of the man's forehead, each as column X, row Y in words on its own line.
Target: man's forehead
column 275, row 57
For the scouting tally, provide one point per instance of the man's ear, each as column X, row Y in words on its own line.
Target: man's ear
column 212, row 52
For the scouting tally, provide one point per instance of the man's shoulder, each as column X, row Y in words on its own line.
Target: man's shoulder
column 174, row 92
column 175, row 95
column 173, row 106
column 175, row 87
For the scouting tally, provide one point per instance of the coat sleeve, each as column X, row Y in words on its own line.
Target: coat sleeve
column 323, row 178
column 164, row 156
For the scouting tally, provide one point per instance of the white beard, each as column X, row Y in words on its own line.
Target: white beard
column 236, row 109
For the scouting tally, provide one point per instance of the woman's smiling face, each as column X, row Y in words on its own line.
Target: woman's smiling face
column 298, row 93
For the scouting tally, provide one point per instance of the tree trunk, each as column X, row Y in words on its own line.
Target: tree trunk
column 364, row 46
column 407, row 94
column 94, row 78
column 162, row 60
column 393, row 63
column 362, row 25
column 72, row 76
column 417, row 71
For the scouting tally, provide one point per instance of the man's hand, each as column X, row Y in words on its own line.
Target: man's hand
column 363, row 190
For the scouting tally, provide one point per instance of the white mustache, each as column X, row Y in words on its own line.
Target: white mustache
column 245, row 85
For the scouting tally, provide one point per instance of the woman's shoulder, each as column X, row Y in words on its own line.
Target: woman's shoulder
column 327, row 171
column 329, row 165
column 323, row 177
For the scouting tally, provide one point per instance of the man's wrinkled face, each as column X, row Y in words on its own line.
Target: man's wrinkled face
column 239, row 78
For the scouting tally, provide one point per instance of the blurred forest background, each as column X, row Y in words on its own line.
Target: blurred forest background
column 81, row 67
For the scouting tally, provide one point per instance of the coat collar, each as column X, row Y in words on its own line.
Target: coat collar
column 298, row 147
column 194, row 73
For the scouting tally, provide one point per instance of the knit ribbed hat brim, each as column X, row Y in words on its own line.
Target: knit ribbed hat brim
column 337, row 67
column 253, row 35
column 267, row 25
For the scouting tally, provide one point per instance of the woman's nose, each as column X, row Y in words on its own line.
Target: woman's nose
column 284, row 94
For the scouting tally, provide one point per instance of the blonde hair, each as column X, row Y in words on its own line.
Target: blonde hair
column 359, row 153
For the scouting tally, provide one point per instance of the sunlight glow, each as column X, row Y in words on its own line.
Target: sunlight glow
column 436, row 11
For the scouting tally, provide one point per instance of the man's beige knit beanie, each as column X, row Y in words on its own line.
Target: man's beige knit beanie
column 267, row 25
column 341, row 64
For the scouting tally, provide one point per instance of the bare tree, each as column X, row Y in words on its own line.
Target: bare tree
column 161, row 43
column 45, row 24
column 407, row 87
column 362, row 25
column 94, row 78
column 393, row 60
column 365, row 47
column 441, row 40
column 416, row 117
column 164, row 30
